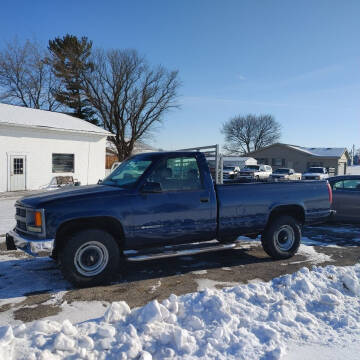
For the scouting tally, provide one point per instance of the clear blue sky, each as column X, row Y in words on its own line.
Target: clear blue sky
column 297, row 60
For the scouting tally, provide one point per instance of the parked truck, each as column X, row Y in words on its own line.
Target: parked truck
column 316, row 173
column 286, row 174
column 157, row 200
column 255, row 173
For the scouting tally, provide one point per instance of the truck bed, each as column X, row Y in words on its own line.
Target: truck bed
column 246, row 207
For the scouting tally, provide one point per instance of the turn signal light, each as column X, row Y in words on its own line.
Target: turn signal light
column 38, row 219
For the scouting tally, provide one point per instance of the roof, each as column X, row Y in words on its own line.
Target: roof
column 35, row 118
column 320, row 151
column 327, row 152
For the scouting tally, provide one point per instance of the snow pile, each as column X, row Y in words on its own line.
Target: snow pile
column 250, row 321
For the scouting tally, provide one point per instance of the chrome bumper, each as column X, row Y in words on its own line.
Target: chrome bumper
column 30, row 246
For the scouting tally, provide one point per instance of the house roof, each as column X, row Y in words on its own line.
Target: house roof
column 328, row 152
column 35, row 118
column 320, row 151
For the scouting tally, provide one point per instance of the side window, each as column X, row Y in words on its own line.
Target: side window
column 174, row 174
column 352, row 185
column 338, row 185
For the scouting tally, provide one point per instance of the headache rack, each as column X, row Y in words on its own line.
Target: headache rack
column 214, row 159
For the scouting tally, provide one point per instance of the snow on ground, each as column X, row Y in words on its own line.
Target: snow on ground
column 23, row 276
column 7, row 215
column 308, row 309
column 312, row 255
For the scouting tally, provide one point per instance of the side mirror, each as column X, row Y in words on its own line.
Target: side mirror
column 151, row 187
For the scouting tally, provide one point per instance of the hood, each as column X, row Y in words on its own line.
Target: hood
column 39, row 200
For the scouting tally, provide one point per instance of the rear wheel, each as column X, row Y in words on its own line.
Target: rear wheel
column 282, row 238
column 89, row 258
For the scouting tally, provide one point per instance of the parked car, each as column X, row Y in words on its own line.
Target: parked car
column 229, row 172
column 346, row 198
column 284, row 174
column 255, row 172
column 159, row 199
column 316, row 173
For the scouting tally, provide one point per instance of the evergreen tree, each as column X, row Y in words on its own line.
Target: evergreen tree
column 69, row 58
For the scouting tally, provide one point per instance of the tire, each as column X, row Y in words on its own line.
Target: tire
column 282, row 237
column 89, row 258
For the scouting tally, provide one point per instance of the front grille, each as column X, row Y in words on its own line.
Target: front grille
column 21, row 219
column 21, row 212
column 21, row 225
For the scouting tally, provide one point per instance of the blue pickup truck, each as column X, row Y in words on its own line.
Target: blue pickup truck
column 159, row 200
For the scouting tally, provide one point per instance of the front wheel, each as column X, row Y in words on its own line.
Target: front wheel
column 282, row 238
column 89, row 258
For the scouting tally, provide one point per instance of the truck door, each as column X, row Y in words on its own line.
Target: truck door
column 182, row 211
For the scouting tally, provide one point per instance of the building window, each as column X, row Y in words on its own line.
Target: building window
column 315, row 164
column 278, row 162
column 263, row 161
column 62, row 163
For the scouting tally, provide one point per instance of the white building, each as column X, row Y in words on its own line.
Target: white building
column 37, row 145
column 240, row 161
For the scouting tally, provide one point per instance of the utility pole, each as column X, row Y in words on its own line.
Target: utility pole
column 352, row 155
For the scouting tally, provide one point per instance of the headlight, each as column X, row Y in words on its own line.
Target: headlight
column 34, row 221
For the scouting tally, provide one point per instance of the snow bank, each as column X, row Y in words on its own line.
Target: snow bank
column 250, row 321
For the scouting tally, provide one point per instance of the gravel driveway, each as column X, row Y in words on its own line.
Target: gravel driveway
column 33, row 288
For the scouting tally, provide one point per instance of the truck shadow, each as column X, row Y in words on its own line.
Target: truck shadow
column 151, row 269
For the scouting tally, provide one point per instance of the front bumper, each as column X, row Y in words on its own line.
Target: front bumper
column 32, row 247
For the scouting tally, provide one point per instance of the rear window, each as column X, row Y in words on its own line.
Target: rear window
column 316, row 170
column 281, row 171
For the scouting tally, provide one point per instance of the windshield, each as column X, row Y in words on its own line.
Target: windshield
column 252, row 167
column 281, row 171
column 128, row 173
column 229, row 168
column 316, row 170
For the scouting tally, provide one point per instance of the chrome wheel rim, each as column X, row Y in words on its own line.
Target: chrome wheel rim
column 91, row 258
column 284, row 238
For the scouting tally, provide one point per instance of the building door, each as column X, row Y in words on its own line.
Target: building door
column 17, row 173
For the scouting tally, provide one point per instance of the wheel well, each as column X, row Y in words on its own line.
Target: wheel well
column 105, row 223
column 296, row 211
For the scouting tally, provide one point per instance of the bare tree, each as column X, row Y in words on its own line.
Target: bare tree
column 244, row 134
column 129, row 96
column 25, row 77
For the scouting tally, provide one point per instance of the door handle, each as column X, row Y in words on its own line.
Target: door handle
column 204, row 199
